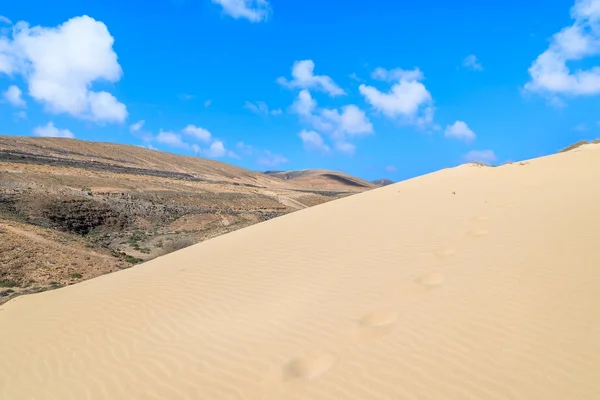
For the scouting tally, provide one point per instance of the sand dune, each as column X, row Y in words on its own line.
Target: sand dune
column 469, row 283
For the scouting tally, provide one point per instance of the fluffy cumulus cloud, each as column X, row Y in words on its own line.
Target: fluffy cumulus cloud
column 471, row 62
column 303, row 74
column 49, row 130
column 313, row 141
column 14, row 96
column 271, row 160
column 198, row 133
column 482, row 156
column 216, row 150
column 61, row 64
column 550, row 74
column 461, row 131
column 194, row 139
column 260, row 107
column 171, row 139
column 252, row 10
column 408, row 100
column 338, row 124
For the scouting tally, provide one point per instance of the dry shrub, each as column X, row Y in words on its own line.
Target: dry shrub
column 172, row 245
column 577, row 144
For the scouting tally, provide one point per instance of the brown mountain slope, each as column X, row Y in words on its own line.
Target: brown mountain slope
column 71, row 210
column 320, row 178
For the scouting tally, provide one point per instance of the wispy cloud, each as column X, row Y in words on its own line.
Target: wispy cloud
column 260, row 107
column 471, row 62
column 271, row 160
column 482, row 156
column 252, row 10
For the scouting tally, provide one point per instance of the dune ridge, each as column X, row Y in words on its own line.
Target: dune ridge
column 468, row 283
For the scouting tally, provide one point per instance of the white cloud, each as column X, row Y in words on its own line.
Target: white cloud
column 397, row 74
column 351, row 121
column 408, row 99
column 260, row 107
column 21, row 115
column 137, row 126
column 252, row 10
column 150, row 147
column 345, row 147
column 581, row 128
column 482, row 156
column 207, row 103
column 390, row 168
column 187, row 96
column 471, row 62
column 304, row 105
column 5, row 20
column 198, row 133
column 61, row 63
column 271, row 160
column 355, row 77
column 216, row 149
column 304, row 78
column 14, row 96
column 550, row 74
column 244, row 148
column 313, row 141
column 171, row 139
column 49, row 130
column 459, row 130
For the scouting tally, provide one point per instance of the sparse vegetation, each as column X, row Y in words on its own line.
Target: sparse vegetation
column 176, row 244
column 133, row 260
column 76, row 276
column 8, row 284
column 578, row 144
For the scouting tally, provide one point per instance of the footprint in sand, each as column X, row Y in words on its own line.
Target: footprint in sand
column 309, row 367
column 379, row 318
column 444, row 252
column 431, row 279
column 373, row 325
column 479, row 233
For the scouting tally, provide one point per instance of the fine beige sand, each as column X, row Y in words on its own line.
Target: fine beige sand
column 468, row 283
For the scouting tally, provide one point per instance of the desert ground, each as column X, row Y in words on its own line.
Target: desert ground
column 72, row 210
column 472, row 282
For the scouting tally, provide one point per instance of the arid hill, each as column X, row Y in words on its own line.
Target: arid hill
column 71, row 210
column 320, row 178
column 382, row 182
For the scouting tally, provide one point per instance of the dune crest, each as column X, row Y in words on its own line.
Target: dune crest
column 468, row 283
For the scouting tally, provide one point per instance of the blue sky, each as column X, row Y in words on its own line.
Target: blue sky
column 378, row 89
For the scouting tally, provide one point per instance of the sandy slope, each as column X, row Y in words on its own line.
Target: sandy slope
column 404, row 292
